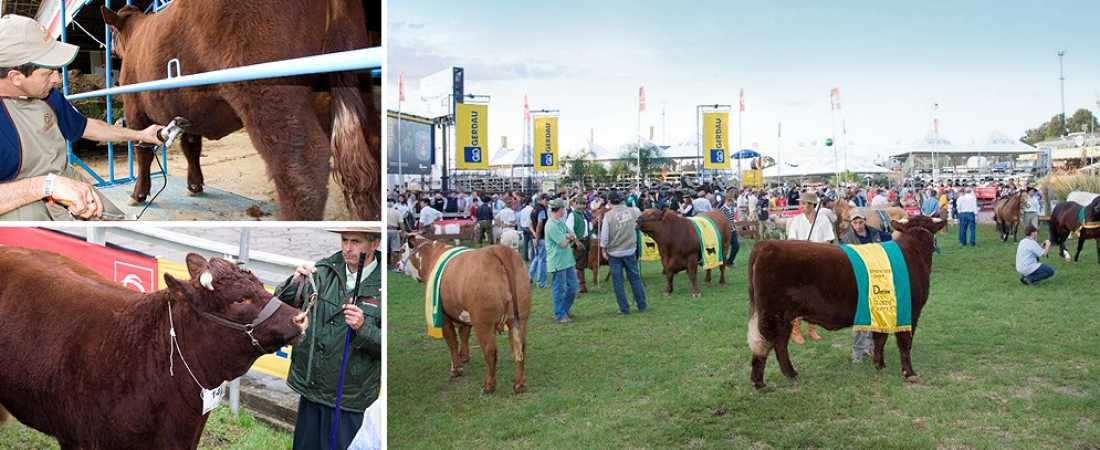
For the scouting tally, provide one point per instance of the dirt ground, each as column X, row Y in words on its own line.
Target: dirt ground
column 229, row 164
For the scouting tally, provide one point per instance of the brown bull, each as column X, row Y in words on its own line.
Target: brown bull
column 296, row 132
column 815, row 282
column 1007, row 212
column 92, row 364
column 679, row 244
column 486, row 289
column 1065, row 220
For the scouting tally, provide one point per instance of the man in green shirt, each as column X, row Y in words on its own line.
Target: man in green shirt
column 559, row 261
column 316, row 362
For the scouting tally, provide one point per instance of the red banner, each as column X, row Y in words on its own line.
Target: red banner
column 130, row 269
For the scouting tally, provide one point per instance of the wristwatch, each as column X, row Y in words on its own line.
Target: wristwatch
column 47, row 186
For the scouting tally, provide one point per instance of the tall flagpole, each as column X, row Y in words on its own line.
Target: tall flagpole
column 400, row 100
column 740, row 138
column 641, row 107
column 779, row 152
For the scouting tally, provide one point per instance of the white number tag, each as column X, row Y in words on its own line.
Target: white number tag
column 212, row 398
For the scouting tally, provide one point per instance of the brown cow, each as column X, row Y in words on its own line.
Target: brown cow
column 91, row 363
column 486, row 289
column 813, row 281
column 679, row 244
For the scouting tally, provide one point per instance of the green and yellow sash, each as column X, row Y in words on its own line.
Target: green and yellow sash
column 1084, row 224
column 433, row 310
column 883, row 304
column 710, row 242
column 647, row 248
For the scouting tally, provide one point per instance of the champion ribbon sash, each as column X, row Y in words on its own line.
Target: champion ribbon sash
column 710, row 242
column 648, row 248
column 1085, row 224
column 883, row 303
column 433, row 310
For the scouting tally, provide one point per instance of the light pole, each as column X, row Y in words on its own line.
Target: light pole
column 1062, row 88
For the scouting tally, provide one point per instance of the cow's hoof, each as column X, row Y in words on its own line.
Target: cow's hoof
column 696, row 294
column 193, row 190
column 455, row 373
column 880, row 366
column 913, row 379
column 135, row 202
column 488, row 389
column 761, row 387
column 519, row 389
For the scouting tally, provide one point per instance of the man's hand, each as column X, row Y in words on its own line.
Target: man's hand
column 80, row 198
column 353, row 316
column 1046, row 244
column 305, row 270
column 605, row 256
column 149, row 135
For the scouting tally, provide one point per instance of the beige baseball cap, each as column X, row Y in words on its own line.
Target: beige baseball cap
column 24, row 41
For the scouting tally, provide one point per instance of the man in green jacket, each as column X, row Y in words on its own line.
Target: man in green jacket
column 316, row 360
column 560, row 263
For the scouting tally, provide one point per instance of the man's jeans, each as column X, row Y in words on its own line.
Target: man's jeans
column 967, row 222
column 1043, row 272
column 527, row 245
column 863, row 345
column 563, row 291
column 630, row 263
column 537, row 272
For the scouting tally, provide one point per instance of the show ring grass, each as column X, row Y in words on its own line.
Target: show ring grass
column 1003, row 366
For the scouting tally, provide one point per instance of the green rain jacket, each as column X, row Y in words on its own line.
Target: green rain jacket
column 315, row 362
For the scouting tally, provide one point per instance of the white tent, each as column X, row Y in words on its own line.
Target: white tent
column 996, row 144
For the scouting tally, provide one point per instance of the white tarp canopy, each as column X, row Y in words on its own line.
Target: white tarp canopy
column 996, row 144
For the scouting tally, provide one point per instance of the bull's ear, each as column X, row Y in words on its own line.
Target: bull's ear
column 111, row 18
column 901, row 225
column 177, row 287
column 196, row 265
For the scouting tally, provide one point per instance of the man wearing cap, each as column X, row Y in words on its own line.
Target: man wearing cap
column 618, row 239
column 37, row 121
column 578, row 222
column 559, row 261
column 316, row 361
column 803, row 227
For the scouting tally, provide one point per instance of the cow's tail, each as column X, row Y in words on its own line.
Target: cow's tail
column 356, row 141
column 508, row 258
column 757, row 343
column 3, row 415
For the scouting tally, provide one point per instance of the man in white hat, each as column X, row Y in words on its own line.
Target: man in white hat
column 808, row 226
column 316, row 362
column 37, row 121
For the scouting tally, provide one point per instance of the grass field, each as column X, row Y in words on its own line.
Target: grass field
column 1003, row 366
column 222, row 432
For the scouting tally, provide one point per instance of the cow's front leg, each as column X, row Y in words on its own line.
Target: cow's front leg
column 487, row 339
column 693, row 272
column 463, row 343
column 722, row 275
column 668, row 281
column 706, row 278
column 880, row 343
column 782, row 338
column 191, row 144
column 905, row 344
column 144, row 166
column 452, row 344
column 1080, row 246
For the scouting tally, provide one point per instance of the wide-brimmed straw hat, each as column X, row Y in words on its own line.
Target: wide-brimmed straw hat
column 368, row 229
column 808, row 197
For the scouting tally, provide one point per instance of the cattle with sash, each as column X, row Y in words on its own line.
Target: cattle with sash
column 1078, row 216
column 486, row 289
column 881, row 288
column 688, row 243
column 98, row 366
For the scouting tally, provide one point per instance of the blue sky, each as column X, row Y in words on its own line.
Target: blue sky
column 992, row 66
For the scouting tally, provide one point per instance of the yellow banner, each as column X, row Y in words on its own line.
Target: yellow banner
column 471, row 136
column 546, row 144
column 650, row 251
column 275, row 364
column 716, row 140
column 752, row 178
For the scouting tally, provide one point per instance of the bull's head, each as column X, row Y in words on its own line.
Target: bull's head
column 650, row 219
column 411, row 260
column 124, row 26
column 223, row 290
column 916, row 225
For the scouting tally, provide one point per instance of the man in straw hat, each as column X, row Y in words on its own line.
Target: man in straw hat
column 808, row 226
column 37, row 120
column 316, row 362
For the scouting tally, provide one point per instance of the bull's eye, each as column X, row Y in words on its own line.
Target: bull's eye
column 246, row 300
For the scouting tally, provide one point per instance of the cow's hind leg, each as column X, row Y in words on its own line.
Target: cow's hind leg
column 880, row 343
column 517, row 336
column 760, row 347
column 706, row 278
column 191, row 144
column 463, row 343
column 905, row 344
column 693, row 272
column 486, row 338
column 668, row 279
column 1080, row 246
column 722, row 275
column 782, row 338
column 452, row 344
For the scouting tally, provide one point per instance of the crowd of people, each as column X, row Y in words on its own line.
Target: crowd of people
column 556, row 228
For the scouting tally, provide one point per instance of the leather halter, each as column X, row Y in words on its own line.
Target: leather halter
column 248, row 328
